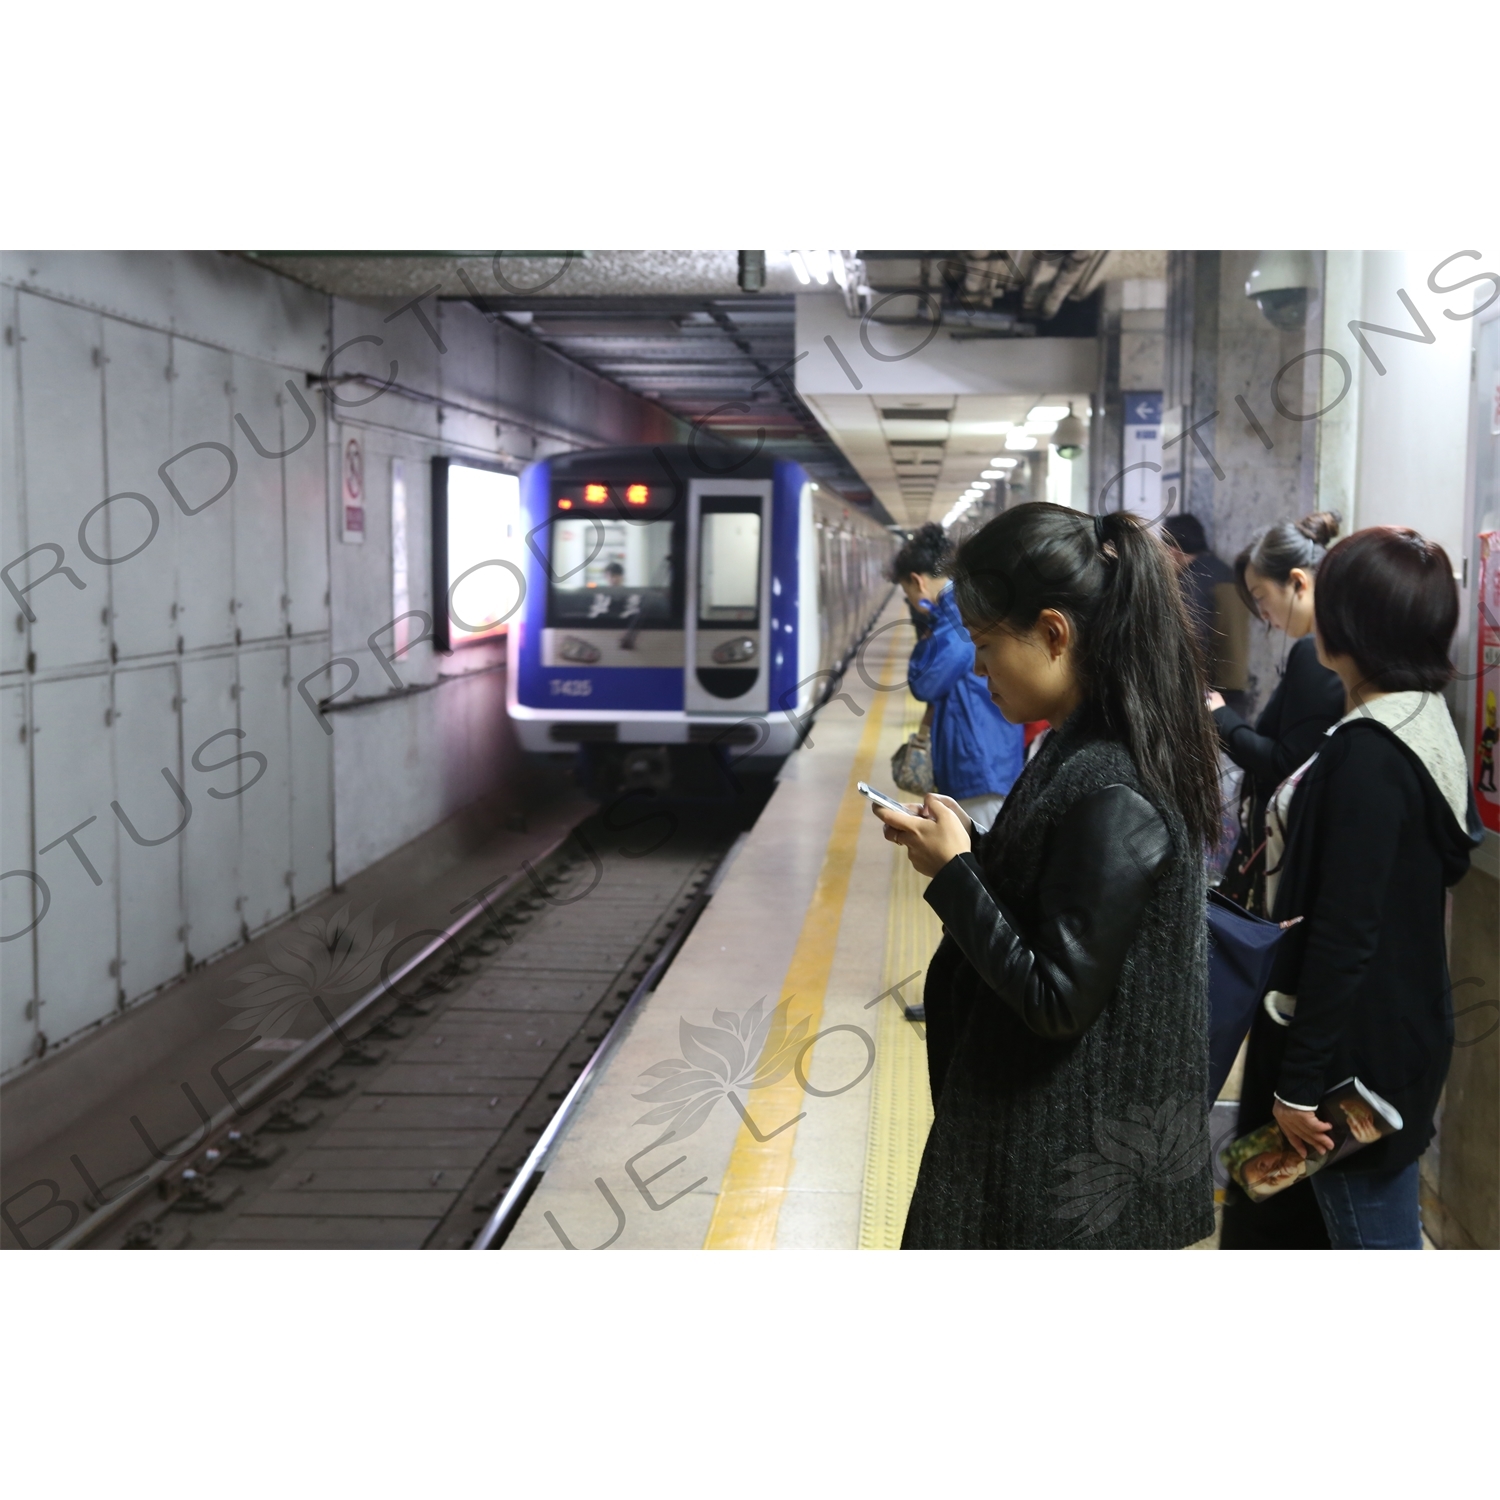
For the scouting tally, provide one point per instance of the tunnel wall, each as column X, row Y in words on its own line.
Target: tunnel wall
column 148, row 848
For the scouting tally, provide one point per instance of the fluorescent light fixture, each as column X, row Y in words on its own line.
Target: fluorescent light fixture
column 799, row 266
column 836, row 260
column 993, row 474
column 1019, row 442
column 1005, row 463
column 1041, row 429
column 1046, row 414
column 817, row 261
column 980, row 485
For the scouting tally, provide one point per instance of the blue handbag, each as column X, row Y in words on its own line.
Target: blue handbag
column 1241, row 949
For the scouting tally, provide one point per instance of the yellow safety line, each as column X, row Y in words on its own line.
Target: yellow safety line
column 755, row 1181
column 900, row 1101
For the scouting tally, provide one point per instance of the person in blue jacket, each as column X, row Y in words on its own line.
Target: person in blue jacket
column 976, row 752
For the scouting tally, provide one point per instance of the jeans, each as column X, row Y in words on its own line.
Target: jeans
column 1371, row 1210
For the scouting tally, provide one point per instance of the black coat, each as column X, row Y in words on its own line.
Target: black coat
column 1067, row 1020
column 1307, row 703
column 1372, row 846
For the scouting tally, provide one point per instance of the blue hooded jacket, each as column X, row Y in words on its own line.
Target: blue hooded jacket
column 976, row 751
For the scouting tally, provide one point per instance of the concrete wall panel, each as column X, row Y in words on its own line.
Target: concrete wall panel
column 76, row 944
column 62, row 417
column 20, row 899
column 265, row 808
column 211, row 842
column 151, row 944
column 138, row 440
column 127, row 360
column 14, row 641
column 201, row 404
column 259, row 523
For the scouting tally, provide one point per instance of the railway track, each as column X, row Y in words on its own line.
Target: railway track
column 423, row 1115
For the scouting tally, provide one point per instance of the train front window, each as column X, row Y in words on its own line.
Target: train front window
column 729, row 564
column 608, row 573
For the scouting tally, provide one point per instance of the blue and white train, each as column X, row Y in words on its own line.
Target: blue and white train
column 670, row 602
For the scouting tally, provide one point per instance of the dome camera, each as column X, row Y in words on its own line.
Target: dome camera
column 1279, row 283
column 1070, row 436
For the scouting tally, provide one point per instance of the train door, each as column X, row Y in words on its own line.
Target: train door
column 728, row 597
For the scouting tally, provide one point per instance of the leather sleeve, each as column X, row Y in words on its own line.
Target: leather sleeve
column 1101, row 864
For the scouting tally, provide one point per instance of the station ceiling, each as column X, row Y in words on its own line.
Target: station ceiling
column 676, row 328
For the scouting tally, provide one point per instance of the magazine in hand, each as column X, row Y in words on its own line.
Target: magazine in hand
column 1264, row 1162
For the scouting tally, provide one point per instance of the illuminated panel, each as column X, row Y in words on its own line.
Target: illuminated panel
column 595, row 494
column 636, row 494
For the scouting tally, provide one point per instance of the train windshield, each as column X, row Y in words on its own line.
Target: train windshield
column 608, row 573
column 729, row 563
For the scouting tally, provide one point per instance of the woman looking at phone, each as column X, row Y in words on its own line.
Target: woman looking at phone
column 1277, row 578
column 1067, row 1003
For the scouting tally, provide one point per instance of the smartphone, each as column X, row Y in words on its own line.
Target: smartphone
column 879, row 798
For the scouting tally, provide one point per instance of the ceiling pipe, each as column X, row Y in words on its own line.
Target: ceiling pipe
column 1070, row 274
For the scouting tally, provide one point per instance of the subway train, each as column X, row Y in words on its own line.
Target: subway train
column 674, row 598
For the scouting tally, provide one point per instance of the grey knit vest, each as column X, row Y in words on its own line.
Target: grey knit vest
column 1100, row 1142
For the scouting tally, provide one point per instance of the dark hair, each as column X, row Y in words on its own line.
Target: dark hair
column 1137, row 656
column 1386, row 597
column 927, row 550
column 1186, row 532
column 1287, row 545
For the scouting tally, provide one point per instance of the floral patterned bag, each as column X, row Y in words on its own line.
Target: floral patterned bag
column 911, row 765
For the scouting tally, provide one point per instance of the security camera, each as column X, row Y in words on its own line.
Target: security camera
column 1279, row 282
column 1070, row 436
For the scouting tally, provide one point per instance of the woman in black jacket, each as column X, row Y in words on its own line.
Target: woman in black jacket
column 1276, row 577
column 1066, row 1006
column 1377, row 826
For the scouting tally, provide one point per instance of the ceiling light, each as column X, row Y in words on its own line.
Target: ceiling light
column 993, row 474
column 1041, row 429
column 1046, row 414
column 1005, row 463
column 980, row 484
column 817, row 261
column 836, row 259
column 799, row 266
column 1019, row 442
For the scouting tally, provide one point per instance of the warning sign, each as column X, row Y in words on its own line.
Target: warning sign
column 353, row 498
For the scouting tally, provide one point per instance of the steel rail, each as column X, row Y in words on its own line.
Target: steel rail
column 503, row 1219
column 255, row 1094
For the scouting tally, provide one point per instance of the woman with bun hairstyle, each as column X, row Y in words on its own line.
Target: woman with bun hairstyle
column 1378, row 824
column 976, row 754
column 1067, row 1003
column 1276, row 577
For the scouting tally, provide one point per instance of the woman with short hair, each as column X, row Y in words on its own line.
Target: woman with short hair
column 1067, row 1004
column 1378, row 823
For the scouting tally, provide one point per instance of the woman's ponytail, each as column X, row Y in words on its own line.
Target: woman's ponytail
column 1137, row 655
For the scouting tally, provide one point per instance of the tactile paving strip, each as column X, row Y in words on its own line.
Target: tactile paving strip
column 900, row 1102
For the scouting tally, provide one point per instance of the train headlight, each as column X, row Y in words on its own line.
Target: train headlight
column 729, row 652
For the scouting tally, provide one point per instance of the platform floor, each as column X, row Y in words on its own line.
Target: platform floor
column 771, row 1093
